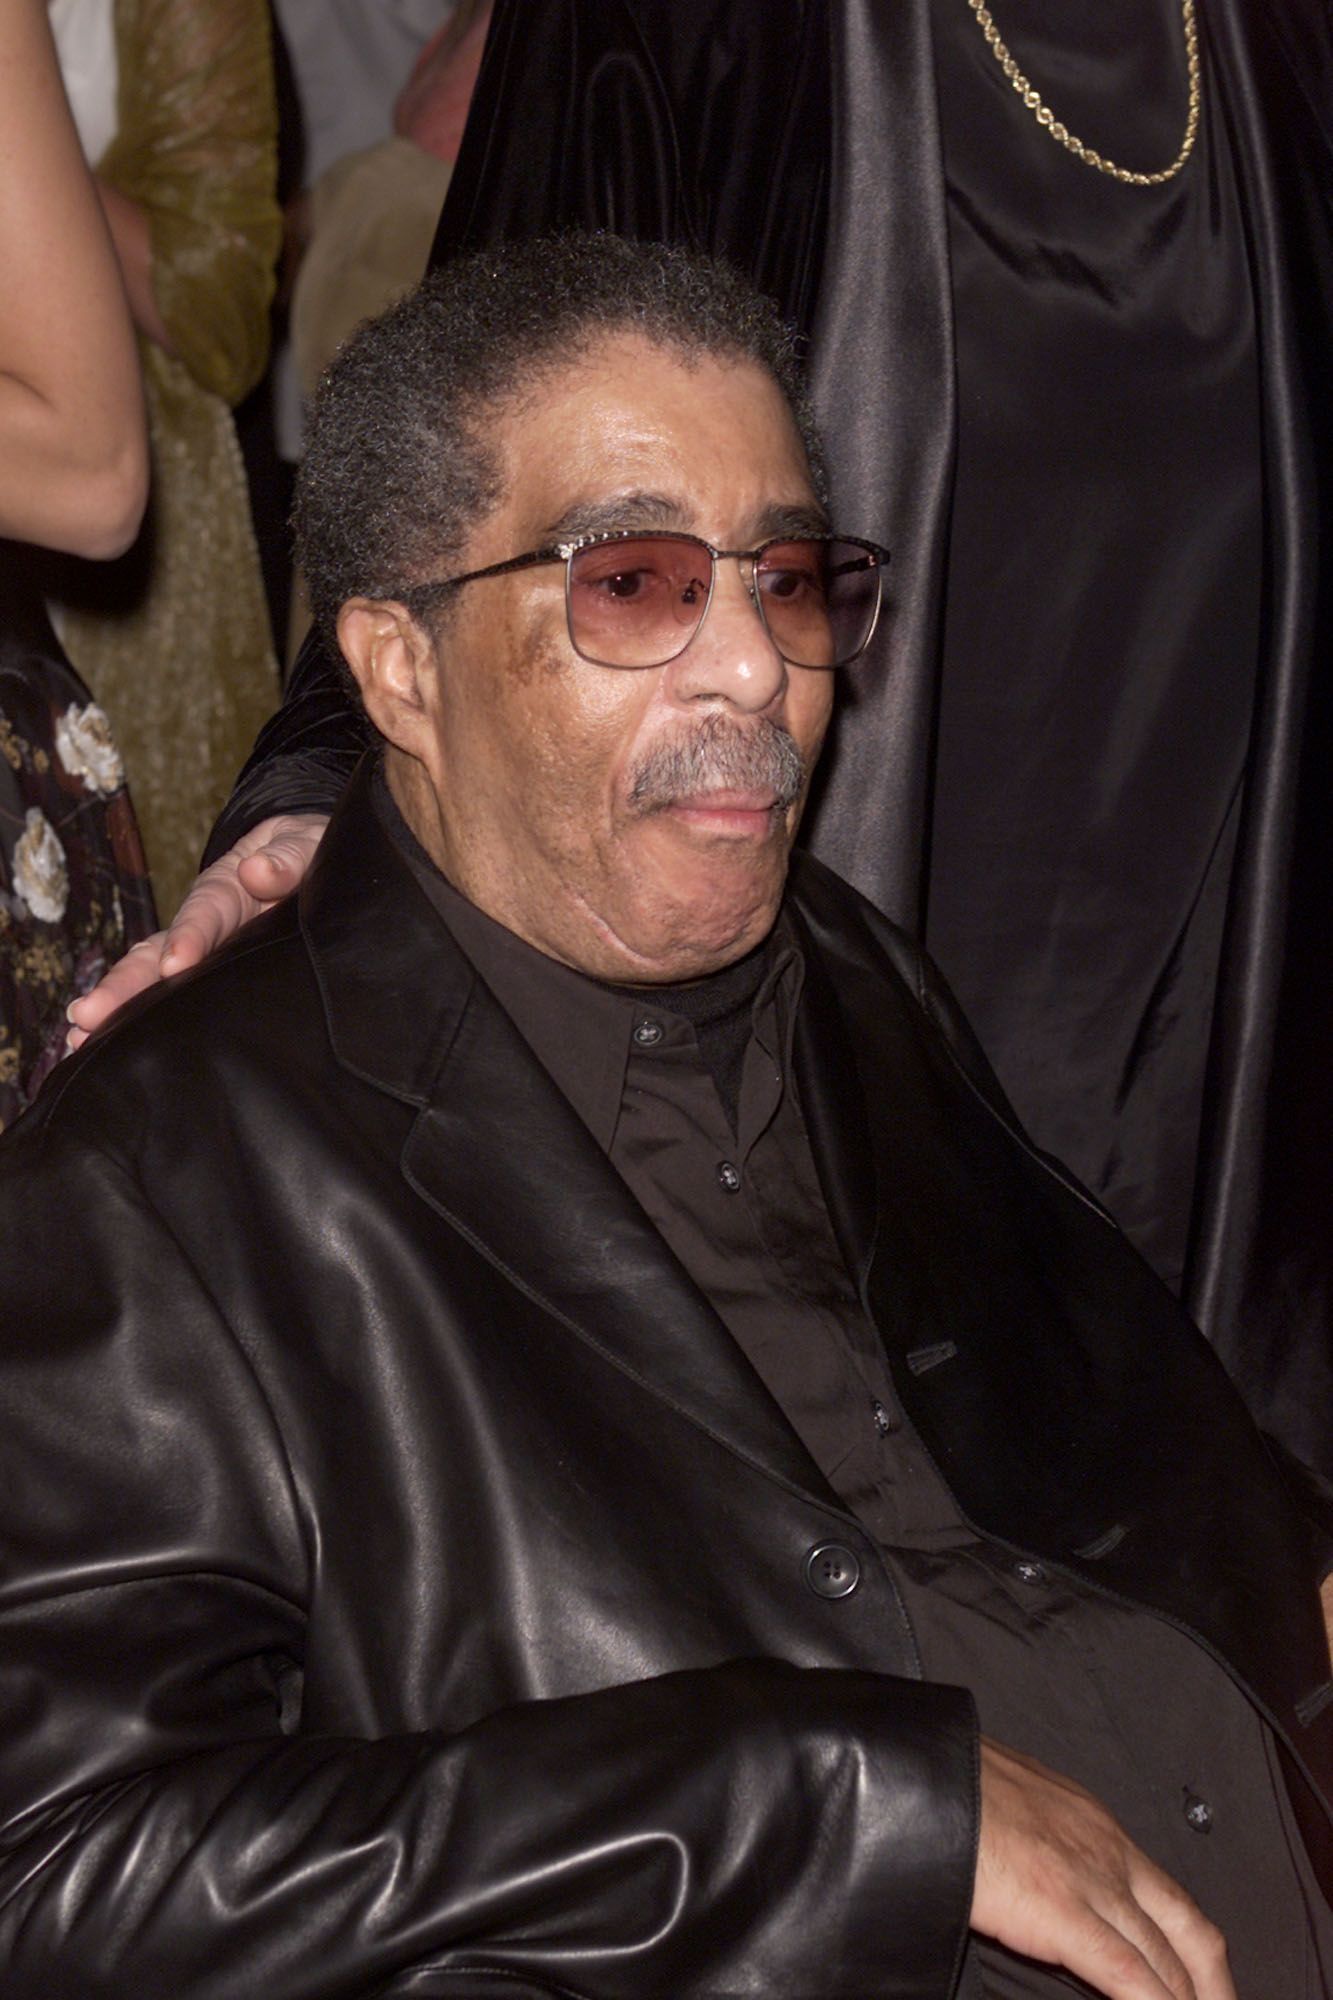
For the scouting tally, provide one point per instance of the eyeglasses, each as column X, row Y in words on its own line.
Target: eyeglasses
column 635, row 600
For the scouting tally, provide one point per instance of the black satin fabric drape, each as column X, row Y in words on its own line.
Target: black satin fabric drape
column 1102, row 595
column 805, row 143
column 681, row 121
column 1262, row 1271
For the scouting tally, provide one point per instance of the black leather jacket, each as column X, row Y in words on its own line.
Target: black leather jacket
column 401, row 1570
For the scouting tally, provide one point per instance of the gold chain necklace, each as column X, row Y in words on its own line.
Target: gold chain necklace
column 1062, row 134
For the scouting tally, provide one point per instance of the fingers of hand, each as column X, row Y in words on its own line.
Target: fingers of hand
column 217, row 905
column 264, row 866
column 210, row 913
column 1059, row 1879
column 1198, row 1944
column 139, row 968
column 278, row 864
column 1120, row 1950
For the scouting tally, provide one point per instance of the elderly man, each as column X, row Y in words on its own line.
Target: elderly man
column 544, row 1390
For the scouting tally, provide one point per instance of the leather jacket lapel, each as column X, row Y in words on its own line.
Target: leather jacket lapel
column 497, row 1150
column 833, row 1106
column 500, row 1153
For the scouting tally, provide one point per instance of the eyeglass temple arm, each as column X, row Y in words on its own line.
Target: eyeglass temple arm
column 437, row 586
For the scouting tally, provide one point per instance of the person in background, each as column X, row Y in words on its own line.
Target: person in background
column 373, row 213
column 339, row 65
column 175, row 104
column 349, row 61
column 371, row 217
column 73, row 476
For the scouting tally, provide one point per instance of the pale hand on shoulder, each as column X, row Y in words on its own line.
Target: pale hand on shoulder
column 267, row 864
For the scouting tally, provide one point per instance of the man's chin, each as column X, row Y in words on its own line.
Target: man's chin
column 708, row 912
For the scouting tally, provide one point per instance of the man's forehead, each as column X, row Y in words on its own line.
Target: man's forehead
column 634, row 362
column 631, row 434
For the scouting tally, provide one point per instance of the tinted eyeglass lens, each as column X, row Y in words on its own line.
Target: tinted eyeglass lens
column 638, row 601
column 819, row 599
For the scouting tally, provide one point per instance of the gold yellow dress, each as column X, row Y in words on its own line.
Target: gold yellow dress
column 174, row 638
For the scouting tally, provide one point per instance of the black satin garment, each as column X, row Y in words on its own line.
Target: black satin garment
column 1102, row 598
column 636, row 129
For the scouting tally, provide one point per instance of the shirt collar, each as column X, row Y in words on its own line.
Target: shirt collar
column 580, row 1030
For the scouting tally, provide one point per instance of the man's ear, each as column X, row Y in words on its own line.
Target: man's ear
column 393, row 662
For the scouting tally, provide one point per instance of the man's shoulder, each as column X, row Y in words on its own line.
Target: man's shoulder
column 254, row 1005
column 853, row 936
column 850, row 930
column 845, row 920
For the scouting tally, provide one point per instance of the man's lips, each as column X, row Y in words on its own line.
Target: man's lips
column 737, row 811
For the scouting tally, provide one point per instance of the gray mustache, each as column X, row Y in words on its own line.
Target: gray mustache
column 719, row 755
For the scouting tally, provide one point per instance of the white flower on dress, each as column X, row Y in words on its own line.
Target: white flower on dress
column 40, row 876
column 87, row 750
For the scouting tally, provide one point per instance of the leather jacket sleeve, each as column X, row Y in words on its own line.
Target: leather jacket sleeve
column 171, row 1824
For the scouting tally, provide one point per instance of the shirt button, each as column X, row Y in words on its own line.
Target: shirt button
column 883, row 1421
column 832, row 1570
column 1030, row 1572
column 1198, row 1812
column 647, row 1034
column 728, row 1175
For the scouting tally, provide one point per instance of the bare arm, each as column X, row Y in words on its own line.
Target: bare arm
column 73, row 449
column 131, row 232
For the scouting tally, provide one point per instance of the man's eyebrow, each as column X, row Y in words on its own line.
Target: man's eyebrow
column 807, row 517
column 659, row 510
column 621, row 510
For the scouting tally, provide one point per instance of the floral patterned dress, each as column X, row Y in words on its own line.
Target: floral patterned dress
column 74, row 891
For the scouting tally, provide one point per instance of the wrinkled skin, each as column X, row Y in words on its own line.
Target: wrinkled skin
column 515, row 761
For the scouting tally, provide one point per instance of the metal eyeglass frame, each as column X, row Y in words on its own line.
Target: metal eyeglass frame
column 418, row 597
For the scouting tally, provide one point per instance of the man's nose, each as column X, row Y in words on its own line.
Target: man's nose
column 731, row 656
